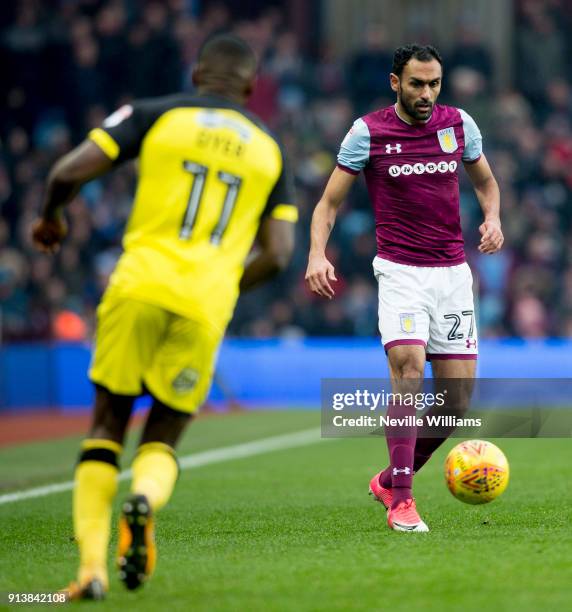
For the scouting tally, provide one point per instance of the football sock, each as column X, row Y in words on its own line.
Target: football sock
column 401, row 446
column 155, row 472
column 424, row 448
column 94, row 489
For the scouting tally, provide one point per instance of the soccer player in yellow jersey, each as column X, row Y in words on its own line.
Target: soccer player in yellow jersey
column 212, row 179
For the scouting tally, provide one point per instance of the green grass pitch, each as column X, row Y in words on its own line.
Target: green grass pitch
column 295, row 530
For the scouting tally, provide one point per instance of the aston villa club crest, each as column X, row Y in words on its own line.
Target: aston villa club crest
column 447, row 140
column 407, row 321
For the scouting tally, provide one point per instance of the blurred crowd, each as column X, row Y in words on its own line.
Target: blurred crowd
column 65, row 66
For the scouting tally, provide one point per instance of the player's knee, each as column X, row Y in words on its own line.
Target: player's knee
column 409, row 367
column 407, row 362
column 411, row 370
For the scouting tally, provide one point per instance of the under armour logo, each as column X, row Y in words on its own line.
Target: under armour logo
column 396, row 148
column 405, row 471
column 471, row 343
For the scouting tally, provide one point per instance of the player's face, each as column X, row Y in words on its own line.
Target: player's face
column 418, row 88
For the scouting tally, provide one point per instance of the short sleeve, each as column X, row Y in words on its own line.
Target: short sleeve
column 473, row 139
column 281, row 202
column 354, row 150
column 121, row 134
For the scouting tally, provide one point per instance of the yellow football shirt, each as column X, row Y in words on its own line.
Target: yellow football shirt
column 208, row 174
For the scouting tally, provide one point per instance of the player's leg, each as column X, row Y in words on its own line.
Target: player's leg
column 404, row 300
column 179, row 380
column 407, row 366
column 126, row 332
column 95, row 486
column 155, row 468
column 155, row 471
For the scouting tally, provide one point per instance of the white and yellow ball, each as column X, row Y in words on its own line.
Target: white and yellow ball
column 476, row 471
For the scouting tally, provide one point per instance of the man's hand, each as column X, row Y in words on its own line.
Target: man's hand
column 491, row 236
column 319, row 274
column 47, row 234
column 84, row 163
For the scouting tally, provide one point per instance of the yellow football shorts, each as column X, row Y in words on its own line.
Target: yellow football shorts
column 138, row 345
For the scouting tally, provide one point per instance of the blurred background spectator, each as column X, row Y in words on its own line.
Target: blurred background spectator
column 65, row 65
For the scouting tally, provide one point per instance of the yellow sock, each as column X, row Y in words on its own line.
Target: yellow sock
column 94, row 490
column 155, row 472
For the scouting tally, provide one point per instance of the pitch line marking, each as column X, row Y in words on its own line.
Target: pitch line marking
column 191, row 462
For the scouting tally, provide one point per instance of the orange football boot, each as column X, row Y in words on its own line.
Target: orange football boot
column 136, row 552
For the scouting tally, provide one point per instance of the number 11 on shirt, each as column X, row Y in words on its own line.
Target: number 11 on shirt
column 199, row 173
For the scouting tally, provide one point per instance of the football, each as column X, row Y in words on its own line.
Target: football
column 476, row 471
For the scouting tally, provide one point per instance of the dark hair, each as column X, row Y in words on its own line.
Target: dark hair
column 227, row 49
column 422, row 53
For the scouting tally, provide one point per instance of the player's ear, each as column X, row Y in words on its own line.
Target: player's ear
column 196, row 75
column 249, row 86
column 394, row 82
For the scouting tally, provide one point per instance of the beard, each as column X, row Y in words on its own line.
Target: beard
column 413, row 111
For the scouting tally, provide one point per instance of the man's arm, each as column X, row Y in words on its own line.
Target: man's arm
column 320, row 271
column 275, row 241
column 84, row 163
column 488, row 194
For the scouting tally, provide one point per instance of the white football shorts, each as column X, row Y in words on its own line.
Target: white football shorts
column 432, row 307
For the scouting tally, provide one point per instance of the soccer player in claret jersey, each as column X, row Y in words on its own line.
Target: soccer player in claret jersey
column 211, row 179
column 410, row 154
